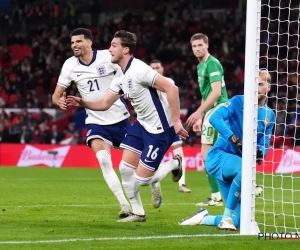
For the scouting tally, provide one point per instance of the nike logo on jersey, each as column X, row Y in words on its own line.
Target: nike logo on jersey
column 79, row 75
column 148, row 160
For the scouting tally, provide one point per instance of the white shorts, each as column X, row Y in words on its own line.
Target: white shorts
column 209, row 134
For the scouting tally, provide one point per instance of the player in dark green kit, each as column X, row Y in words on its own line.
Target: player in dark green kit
column 212, row 88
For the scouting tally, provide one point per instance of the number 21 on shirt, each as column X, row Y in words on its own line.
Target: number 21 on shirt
column 93, row 85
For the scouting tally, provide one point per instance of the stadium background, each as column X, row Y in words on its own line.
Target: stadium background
column 65, row 205
column 35, row 42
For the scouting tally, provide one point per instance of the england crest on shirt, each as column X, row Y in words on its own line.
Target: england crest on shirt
column 101, row 70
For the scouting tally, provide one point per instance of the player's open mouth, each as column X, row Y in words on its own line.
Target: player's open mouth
column 76, row 50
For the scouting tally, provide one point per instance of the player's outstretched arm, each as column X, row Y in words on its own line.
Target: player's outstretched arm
column 162, row 84
column 205, row 105
column 99, row 105
column 217, row 120
column 59, row 97
column 216, row 88
column 222, row 114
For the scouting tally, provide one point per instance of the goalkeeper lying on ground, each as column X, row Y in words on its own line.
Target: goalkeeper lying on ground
column 224, row 159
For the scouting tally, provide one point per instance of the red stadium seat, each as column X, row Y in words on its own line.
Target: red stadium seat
column 40, row 90
column 13, row 99
column 140, row 53
column 12, row 77
column 94, row 30
column 4, row 96
column 19, row 52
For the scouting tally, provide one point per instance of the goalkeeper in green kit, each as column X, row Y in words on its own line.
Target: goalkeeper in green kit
column 212, row 88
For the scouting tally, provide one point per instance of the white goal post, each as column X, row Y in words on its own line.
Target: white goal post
column 248, row 224
column 277, row 211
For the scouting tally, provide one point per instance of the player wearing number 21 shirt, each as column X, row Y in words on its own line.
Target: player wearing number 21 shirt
column 92, row 72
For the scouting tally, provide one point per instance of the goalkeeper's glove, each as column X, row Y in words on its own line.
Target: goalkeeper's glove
column 236, row 141
column 259, row 156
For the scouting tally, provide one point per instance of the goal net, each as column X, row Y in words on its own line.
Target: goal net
column 278, row 208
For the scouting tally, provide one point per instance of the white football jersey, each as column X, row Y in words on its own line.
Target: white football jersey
column 93, row 82
column 137, row 85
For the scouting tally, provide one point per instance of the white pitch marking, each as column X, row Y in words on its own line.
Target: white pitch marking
column 83, row 205
column 114, row 238
column 39, row 179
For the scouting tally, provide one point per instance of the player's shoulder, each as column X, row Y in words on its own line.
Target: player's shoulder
column 70, row 63
column 104, row 56
column 212, row 60
column 104, row 52
column 236, row 100
column 137, row 62
column 138, row 67
column 270, row 112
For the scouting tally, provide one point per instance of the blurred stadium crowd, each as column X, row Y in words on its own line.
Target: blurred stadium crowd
column 36, row 43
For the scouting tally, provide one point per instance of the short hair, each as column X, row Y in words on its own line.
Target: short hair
column 199, row 36
column 128, row 39
column 155, row 61
column 83, row 31
column 266, row 75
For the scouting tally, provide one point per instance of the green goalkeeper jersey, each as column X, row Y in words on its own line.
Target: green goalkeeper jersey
column 208, row 72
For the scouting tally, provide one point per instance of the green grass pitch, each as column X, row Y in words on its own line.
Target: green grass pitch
column 45, row 208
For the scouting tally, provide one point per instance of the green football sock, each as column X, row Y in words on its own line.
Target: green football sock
column 213, row 184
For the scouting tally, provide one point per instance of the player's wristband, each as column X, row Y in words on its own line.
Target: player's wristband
column 236, row 141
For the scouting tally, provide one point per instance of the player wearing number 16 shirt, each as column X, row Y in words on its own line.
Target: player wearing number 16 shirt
column 92, row 72
column 155, row 129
